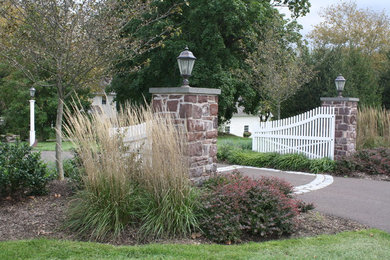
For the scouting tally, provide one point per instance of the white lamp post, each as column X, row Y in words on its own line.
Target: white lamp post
column 340, row 82
column 32, row 117
column 186, row 61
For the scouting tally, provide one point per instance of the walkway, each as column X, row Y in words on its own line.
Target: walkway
column 365, row 201
column 50, row 156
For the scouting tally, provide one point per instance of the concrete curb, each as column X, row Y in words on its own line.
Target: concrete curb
column 321, row 181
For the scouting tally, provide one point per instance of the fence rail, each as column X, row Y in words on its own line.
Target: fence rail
column 134, row 137
column 311, row 133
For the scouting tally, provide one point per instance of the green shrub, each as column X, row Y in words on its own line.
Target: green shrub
column 233, row 206
column 223, row 151
column 21, row 171
column 237, row 156
column 292, row 162
column 260, row 159
column 247, row 134
column 323, row 165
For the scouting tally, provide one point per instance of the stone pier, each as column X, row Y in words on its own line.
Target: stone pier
column 195, row 109
column 346, row 115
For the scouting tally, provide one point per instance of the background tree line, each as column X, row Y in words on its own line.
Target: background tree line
column 247, row 48
column 354, row 42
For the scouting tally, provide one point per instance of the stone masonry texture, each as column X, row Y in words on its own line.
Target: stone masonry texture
column 346, row 122
column 198, row 113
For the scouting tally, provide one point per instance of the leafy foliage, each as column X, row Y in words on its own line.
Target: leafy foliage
column 233, row 205
column 276, row 70
column 322, row 165
column 247, row 134
column 14, row 105
column 293, row 162
column 369, row 161
column 70, row 44
column 217, row 32
column 21, row 171
column 347, row 25
column 362, row 80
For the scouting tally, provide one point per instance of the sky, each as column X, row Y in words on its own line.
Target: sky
column 313, row 17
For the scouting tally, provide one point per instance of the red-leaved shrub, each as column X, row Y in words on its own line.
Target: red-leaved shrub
column 234, row 205
column 369, row 161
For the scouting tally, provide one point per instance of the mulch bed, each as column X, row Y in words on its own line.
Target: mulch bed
column 42, row 217
column 365, row 176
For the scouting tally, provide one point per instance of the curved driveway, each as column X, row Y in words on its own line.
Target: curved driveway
column 365, row 201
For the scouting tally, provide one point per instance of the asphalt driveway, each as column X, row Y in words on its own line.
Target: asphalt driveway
column 365, row 201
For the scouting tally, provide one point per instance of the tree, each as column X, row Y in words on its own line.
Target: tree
column 70, row 44
column 345, row 25
column 14, row 89
column 277, row 70
column 352, row 42
column 385, row 83
column 218, row 32
column 328, row 63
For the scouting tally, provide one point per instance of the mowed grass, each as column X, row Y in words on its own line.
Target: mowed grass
column 51, row 146
column 236, row 141
column 366, row 244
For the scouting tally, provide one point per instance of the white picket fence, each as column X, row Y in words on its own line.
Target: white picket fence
column 311, row 133
column 134, row 137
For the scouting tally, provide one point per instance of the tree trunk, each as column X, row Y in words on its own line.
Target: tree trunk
column 278, row 108
column 59, row 164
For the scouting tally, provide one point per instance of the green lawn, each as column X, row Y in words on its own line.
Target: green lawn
column 244, row 143
column 367, row 244
column 50, row 146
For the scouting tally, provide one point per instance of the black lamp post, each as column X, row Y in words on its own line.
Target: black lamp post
column 186, row 61
column 340, row 82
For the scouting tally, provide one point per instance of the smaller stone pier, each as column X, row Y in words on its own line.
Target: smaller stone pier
column 195, row 109
column 346, row 115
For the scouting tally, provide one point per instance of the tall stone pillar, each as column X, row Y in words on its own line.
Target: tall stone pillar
column 346, row 115
column 196, row 109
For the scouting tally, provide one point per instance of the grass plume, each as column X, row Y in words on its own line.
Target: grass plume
column 130, row 179
column 373, row 128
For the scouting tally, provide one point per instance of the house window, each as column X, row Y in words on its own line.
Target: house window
column 246, row 128
column 227, row 129
column 104, row 100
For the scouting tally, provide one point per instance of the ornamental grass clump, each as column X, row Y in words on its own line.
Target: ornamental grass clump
column 129, row 179
column 108, row 201
column 169, row 199
column 373, row 128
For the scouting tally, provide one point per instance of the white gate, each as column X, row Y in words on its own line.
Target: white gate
column 311, row 133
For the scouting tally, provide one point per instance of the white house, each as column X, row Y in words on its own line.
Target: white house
column 241, row 122
column 104, row 102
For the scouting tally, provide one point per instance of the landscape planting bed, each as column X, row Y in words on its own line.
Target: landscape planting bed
column 43, row 216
